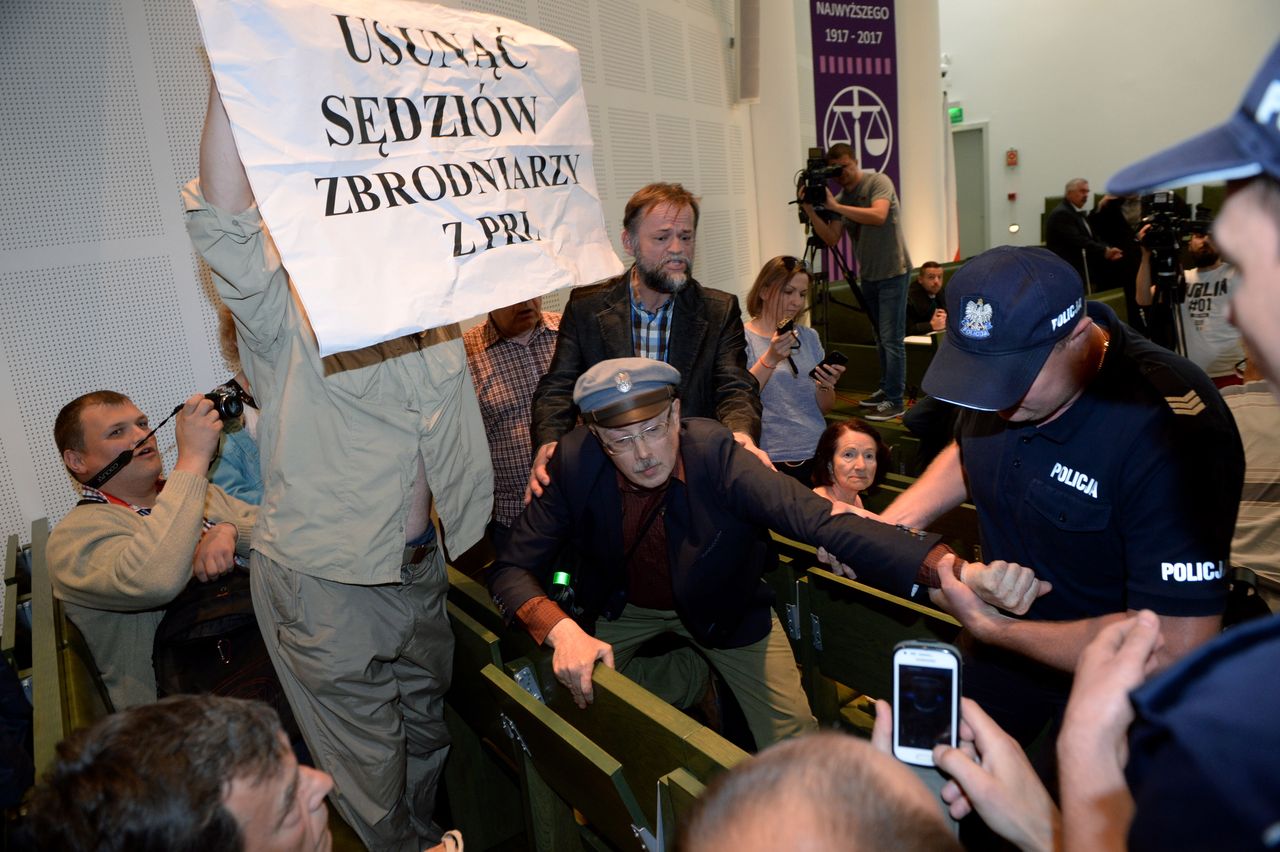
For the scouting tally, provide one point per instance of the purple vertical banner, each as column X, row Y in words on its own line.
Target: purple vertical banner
column 855, row 82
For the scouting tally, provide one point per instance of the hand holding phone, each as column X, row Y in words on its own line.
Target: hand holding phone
column 832, row 357
column 926, row 699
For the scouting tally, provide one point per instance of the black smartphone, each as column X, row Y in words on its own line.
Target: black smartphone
column 832, row 357
column 926, row 699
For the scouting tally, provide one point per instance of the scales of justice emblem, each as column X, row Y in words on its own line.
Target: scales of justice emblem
column 857, row 117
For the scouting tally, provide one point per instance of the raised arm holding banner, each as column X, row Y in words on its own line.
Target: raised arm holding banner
column 440, row 158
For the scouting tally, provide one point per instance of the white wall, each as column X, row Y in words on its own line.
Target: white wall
column 1084, row 88
column 920, row 129
column 781, row 126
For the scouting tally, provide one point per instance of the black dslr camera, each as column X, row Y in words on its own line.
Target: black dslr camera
column 228, row 401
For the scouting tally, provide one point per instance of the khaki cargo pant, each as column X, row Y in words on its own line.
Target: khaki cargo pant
column 365, row 669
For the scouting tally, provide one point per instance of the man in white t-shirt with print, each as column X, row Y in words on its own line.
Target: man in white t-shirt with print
column 1212, row 342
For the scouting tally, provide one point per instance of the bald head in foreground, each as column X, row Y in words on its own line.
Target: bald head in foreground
column 820, row 792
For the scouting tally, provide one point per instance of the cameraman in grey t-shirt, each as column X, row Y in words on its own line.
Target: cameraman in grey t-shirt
column 869, row 209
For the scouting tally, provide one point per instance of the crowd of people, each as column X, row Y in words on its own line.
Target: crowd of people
column 636, row 450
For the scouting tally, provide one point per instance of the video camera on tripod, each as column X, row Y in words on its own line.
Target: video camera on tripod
column 1165, row 213
column 811, row 190
column 1166, row 226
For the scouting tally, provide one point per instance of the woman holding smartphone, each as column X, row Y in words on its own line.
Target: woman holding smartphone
column 782, row 356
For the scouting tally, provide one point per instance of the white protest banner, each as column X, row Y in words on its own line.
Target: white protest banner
column 416, row 165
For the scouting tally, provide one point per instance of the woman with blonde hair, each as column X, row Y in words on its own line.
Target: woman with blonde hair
column 781, row 361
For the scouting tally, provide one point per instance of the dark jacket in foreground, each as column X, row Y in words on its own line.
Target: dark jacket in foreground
column 717, row 526
column 707, row 346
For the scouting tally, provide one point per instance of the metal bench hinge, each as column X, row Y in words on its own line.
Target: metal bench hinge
column 514, row 733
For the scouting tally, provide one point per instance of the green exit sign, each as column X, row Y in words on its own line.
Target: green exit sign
column 957, row 114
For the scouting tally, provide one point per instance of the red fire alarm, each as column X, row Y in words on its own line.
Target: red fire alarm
column 1011, row 157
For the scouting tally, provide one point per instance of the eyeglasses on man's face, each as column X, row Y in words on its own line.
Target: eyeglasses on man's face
column 617, row 446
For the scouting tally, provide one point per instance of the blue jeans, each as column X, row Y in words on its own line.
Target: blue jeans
column 887, row 304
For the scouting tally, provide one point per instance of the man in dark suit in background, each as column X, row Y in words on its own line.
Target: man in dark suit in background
column 1068, row 235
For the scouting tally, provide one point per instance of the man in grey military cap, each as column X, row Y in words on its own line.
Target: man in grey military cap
column 672, row 518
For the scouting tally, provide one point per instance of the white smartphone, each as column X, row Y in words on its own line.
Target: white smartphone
column 926, row 699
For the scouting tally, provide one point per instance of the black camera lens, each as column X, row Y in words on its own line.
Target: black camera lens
column 226, row 401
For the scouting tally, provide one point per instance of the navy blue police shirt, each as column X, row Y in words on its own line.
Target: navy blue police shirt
column 1127, row 500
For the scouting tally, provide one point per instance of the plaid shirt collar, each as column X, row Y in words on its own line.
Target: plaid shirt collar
column 490, row 337
column 650, row 330
column 632, row 292
column 93, row 495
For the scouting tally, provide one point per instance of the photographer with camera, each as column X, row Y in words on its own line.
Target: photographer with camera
column 868, row 209
column 134, row 542
column 1206, row 337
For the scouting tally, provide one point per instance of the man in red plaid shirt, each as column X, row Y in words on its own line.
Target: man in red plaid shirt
column 507, row 354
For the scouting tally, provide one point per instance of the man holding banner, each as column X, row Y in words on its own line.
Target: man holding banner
column 416, row 165
column 348, row 578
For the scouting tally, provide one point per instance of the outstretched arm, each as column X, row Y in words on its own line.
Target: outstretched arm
column 1060, row 643
column 938, row 490
column 222, row 176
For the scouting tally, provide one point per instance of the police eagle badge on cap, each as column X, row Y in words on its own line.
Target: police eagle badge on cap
column 977, row 320
column 623, row 381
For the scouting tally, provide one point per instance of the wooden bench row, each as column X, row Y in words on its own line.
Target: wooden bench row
column 66, row 691
column 620, row 774
column 623, row 772
column 843, row 633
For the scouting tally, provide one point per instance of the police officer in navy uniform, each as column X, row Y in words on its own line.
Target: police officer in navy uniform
column 1110, row 466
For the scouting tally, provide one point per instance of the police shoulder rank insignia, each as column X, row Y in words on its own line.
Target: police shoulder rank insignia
column 977, row 319
column 623, row 381
column 1189, row 403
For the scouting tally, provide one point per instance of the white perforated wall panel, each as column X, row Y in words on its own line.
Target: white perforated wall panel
column 102, row 115
column 573, row 21
column 75, row 166
column 10, row 510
